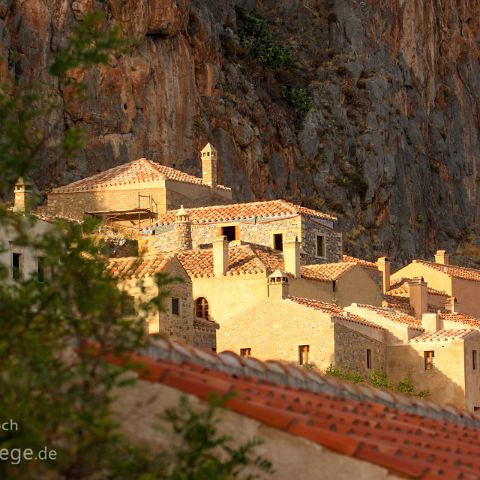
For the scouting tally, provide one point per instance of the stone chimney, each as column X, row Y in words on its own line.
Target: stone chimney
column 432, row 322
column 418, row 296
column 183, row 230
column 22, row 196
column 220, row 256
column 209, row 165
column 450, row 304
column 441, row 257
column 383, row 264
column 291, row 256
column 278, row 284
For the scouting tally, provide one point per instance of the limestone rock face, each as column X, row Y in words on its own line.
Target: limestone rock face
column 391, row 143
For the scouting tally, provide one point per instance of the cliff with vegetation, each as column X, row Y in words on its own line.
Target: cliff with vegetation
column 368, row 109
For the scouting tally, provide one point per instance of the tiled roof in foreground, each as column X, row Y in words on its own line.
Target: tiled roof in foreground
column 411, row 437
column 138, row 267
column 452, row 270
column 137, row 171
column 243, row 211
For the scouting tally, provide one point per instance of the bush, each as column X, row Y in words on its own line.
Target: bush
column 261, row 44
column 298, row 98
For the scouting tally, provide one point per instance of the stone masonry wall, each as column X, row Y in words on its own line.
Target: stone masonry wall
column 75, row 204
column 205, row 334
column 351, row 351
column 310, row 229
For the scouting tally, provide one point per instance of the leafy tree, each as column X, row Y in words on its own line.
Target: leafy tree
column 58, row 391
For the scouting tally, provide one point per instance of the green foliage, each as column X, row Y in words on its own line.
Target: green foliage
column 376, row 379
column 199, row 452
column 420, row 218
column 261, row 44
column 298, row 98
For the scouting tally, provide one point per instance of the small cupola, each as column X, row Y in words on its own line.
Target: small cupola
column 183, row 230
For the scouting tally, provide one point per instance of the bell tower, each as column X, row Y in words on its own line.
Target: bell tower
column 209, row 158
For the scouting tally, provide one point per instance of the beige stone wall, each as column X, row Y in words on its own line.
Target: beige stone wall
column 468, row 296
column 179, row 326
column 191, row 195
column 472, row 376
column 139, row 407
column 351, row 351
column 29, row 257
column 446, row 382
column 435, row 279
column 205, row 334
column 275, row 328
column 229, row 296
column 75, row 204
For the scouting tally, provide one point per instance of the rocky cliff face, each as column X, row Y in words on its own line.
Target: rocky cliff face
column 391, row 143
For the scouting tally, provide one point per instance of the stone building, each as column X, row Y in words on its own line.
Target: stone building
column 459, row 282
column 23, row 261
column 137, row 277
column 268, row 223
column 438, row 351
column 137, row 192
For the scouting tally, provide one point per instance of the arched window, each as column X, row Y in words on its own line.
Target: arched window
column 201, row 308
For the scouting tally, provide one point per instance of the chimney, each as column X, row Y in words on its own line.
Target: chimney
column 418, row 296
column 220, row 256
column 291, row 256
column 278, row 284
column 450, row 304
column 441, row 257
column 383, row 264
column 183, row 230
column 22, row 196
column 209, row 165
column 431, row 322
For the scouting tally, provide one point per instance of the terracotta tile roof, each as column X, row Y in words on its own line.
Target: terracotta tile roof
column 245, row 259
column 138, row 267
column 462, row 318
column 410, row 437
column 359, row 261
column 398, row 303
column 394, row 315
column 453, row 271
column 444, row 335
column 334, row 310
column 243, row 211
column 326, row 272
column 137, row 171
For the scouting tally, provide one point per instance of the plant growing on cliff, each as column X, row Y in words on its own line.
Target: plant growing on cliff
column 298, row 98
column 261, row 44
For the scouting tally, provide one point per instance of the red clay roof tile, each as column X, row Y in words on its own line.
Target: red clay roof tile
column 243, row 211
column 452, row 270
column 138, row 267
column 137, row 171
column 411, row 440
column 359, row 261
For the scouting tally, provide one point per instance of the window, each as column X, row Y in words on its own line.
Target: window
column 16, row 265
column 303, row 351
column 321, row 246
column 369, row 358
column 201, row 308
column 128, row 305
column 428, row 358
column 474, row 359
column 278, row 242
column 476, row 408
column 245, row 352
column 230, row 232
column 175, row 306
column 41, row 269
